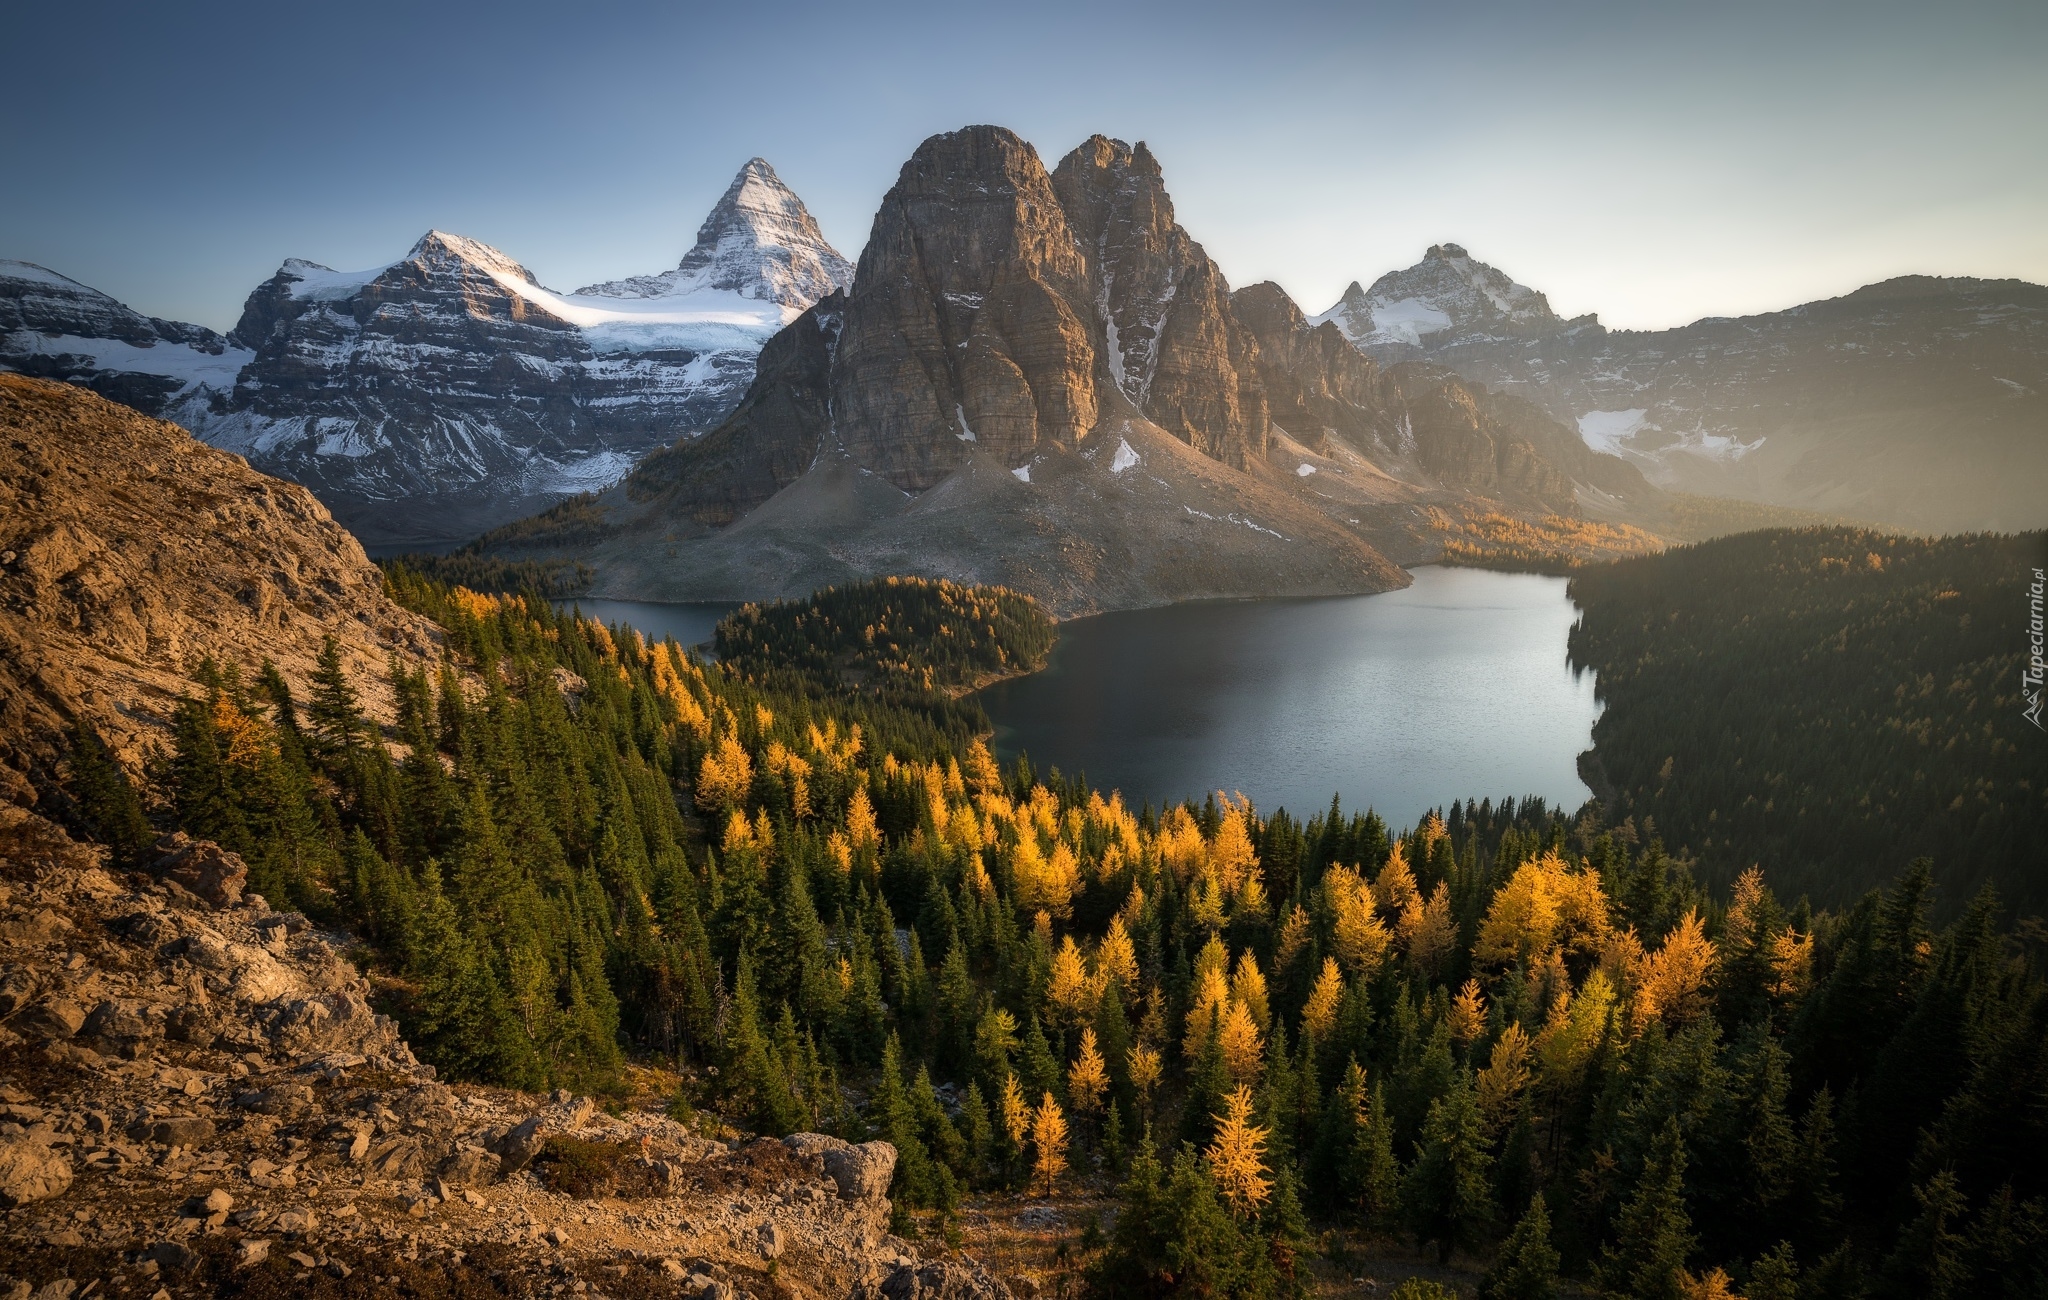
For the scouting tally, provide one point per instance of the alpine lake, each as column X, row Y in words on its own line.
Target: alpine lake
column 1457, row 686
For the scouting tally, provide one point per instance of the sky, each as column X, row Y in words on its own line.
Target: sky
column 1653, row 162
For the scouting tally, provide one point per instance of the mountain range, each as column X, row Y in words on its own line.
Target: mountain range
column 448, row 391
column 1040, row 379
column 917, row 410
column 1920, row 402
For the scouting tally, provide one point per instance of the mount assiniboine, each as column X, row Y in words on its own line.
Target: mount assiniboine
column 1920, row 402
column 1040, row 379
column 431, row 398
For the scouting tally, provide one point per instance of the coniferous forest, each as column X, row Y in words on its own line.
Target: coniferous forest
column 1830, row 703
column 1516, row 1036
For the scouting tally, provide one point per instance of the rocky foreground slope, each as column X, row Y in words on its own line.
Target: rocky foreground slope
column 1920, row 402
column 1040, row 379
column 130, row 551
column 196, row 1098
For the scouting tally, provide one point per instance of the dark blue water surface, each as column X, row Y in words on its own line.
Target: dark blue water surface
column 1455, row 687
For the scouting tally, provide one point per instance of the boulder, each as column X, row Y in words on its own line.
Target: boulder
column 862, row 1172
column 201, row 867
column 52, row 1018
column 517, row 1148
column 124, row 1022
column 172, row 1130
column 31, row 1171
column 938, row 1280
column 468, row 1164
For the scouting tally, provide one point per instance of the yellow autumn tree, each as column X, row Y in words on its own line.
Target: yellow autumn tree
column 862, row 832
column 1237, row 1157
column 1429, row 930
column 1116, row 960
column 1244, row 1050
column 1671, row 983
column 1468, row 1013
column 1356, row 931
column 1394, row 888
column 1049, row 1145
column 1145, row 1067
column 1319, row 1014
column 1248, row 986
column 1791, row 964
column 1231, row 855
column 1544, row 905
column 1016, row 1112
column 1505, row 1076
column 1088, row 1076
column 1294, row 936
column 725, row 776
column 1070, row 991
column 1577, row 1022
column 980, row 771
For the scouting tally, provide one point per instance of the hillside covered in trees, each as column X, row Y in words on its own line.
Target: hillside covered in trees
column 1830, row 703
column 888, row 636
column 1516, row 1036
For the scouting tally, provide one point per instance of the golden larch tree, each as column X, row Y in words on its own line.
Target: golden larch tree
column 1016, row 1112
column 1468, row 1013
column 1069, row 989
column 1088, row 1076
column 1319, row 1015
column 1244, row 1050
column 1116, row 960
column 1237, row 1157
column 1049, row 1145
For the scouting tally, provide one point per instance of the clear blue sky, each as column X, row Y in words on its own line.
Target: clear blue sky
column 1652, row 162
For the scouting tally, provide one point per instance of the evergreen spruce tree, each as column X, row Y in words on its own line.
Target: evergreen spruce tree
column 107, row 803
column 1653, row 1235
column 1526, row 1267
column 1448, row 1195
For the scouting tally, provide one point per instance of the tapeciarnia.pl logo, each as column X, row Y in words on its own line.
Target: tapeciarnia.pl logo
column 2036, row 669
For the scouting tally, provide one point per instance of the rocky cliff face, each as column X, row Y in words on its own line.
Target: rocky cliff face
column 129, row 551
column 449, row 391
column 1916, row 402
column 199, row 1093
column 1173, row 346
column 963, row 326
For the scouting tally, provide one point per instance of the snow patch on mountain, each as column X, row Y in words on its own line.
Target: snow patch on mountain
column 1608, row 430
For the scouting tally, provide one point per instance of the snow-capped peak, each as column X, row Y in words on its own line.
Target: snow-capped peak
column 1447, row 293
column 439, row 250
column 759, row 242
column 30, row 273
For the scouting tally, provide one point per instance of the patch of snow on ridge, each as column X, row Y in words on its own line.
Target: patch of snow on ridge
column 1023, row 473
column 316, row 283
column 177, row 361
column 960, row 413
column 1607, row 430
column 1407, row 320
column 1304, row 470
column 1125, row 457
